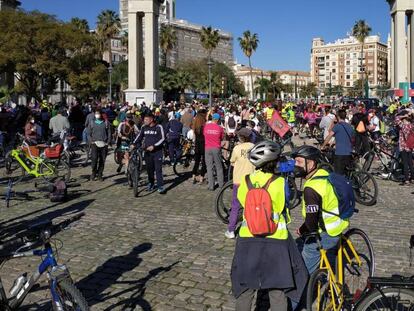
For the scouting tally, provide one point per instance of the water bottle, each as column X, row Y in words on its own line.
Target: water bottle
column 18, row 284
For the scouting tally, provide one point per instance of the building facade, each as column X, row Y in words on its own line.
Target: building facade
column 188, row 47
column 119, row 51
column 339, row 63
column 243, row 74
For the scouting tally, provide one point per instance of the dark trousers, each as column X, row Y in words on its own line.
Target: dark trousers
column 341, row 162
column 153, row 162
column 361, row 143
column 174, row 149
column 407, row 159
column 199, row 158
column 98, row 156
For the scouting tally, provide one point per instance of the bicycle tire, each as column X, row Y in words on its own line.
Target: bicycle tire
column 66, row 290
column 362, row 192
column 355, row 276
column 378, row 298
column 135, row 180
column 182, row 167
column 61, row 169
column 13, row 170
column 221, row 206
column 116, row 158
column 318, row 283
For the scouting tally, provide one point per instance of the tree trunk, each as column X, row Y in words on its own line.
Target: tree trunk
column 362, row 72
column 165, row 58
column 251, row 78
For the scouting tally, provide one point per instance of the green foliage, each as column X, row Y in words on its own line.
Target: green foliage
column 168, row 40
column 108, row 26
column 309, row 90
column 42, row 50
column 209, row 39
column 249, row 43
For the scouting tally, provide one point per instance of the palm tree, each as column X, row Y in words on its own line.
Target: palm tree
column 81, row 24
column 109, row 25
column 262, row 87
column 168, row 40
column 124, row 40
column 209, row 40
column 248, row 43
column 276, row 84
column 361, row 31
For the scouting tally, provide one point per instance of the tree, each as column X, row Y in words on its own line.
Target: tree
column 361, row 31
column 262, row 87
column 108, row 26
column 276, row 84
column 309, row 90
column 124, row 40
column 120, row 77
column 168, row 40
column 209, row 40
column 80, row 24
column 338, row 90
column 248, row 43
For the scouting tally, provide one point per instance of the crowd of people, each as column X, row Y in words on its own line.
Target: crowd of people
column 241, row 133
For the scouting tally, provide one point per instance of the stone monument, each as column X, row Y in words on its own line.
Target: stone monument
column 143, row 55
column 402, row 42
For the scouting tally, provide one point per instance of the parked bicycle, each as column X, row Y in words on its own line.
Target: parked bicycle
column 27, row 161
column 337, row 287
column 64, row 294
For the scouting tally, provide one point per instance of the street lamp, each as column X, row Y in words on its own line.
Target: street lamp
column 296, row 86
column 209, row 64
column 110, row 82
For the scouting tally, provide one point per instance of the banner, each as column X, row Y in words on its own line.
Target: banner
column 278, row 124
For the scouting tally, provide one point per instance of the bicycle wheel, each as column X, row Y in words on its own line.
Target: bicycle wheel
column 319, row 295
column 135, row 180
column 358, row 268
column 70, row 298
column 388, row 299
column 52, row 170
column 13, row 170
column 222, row 202
column 183, row 166
column 365, row 188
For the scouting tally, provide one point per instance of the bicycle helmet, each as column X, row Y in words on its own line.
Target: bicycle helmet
column 308, row 153
column 264, row 152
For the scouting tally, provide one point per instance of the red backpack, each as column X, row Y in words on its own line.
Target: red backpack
column 258, row 210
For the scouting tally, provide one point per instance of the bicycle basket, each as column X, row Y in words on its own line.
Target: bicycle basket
column 31, row 151
column 54, row 152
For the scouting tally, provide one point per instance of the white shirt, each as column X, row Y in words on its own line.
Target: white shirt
column 226, row 125
column 375, row 122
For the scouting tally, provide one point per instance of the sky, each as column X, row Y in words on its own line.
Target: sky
column 285, row 28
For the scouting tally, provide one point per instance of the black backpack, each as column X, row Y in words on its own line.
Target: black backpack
column 231, row 122
column 59, row 191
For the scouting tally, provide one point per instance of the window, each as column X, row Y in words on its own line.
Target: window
column 327, row 57
column 348, row 62
column 333, row 63
column 348, row 84
column 348, row 77
column 333, row 70
column 327, row 63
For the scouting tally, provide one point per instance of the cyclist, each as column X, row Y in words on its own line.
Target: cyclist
column 319, row 207
column 127, row 131
column 213, row 135
column 266, row 262
column 344, row 141
column 174, row 129
column 151, row 138
column 242, row 167
column 231, row 122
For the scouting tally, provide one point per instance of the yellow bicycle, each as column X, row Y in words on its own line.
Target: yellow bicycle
column 339, row 287
column 26, row 161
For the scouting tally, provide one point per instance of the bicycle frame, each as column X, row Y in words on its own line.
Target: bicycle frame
column 37, row 161
column 336, row 280
column 48, row 263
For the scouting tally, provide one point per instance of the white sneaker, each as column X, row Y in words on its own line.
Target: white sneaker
column 229, row 234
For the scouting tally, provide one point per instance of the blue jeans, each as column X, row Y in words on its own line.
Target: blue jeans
column 311, row 254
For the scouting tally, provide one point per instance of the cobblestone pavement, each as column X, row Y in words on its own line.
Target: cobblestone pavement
column 168, row 252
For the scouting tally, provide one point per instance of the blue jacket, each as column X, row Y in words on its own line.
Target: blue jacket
column 151, row 136
column 174, row 129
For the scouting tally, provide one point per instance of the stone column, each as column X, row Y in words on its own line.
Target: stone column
column 411, row 44
column 400, row 69
column 391, row 71
column 150, row 43
column 133, row 50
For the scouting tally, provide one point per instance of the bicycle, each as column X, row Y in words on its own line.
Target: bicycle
column 223, row 199
column 389, row 293
column 26, row 161
column 364, row 184
column 134, row 169
column 182, row 167
column 340, row 288
column 64, row 294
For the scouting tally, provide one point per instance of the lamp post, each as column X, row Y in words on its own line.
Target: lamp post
column 209, row 64
column 330, row 84
column 110, row 82
column 296, row 86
